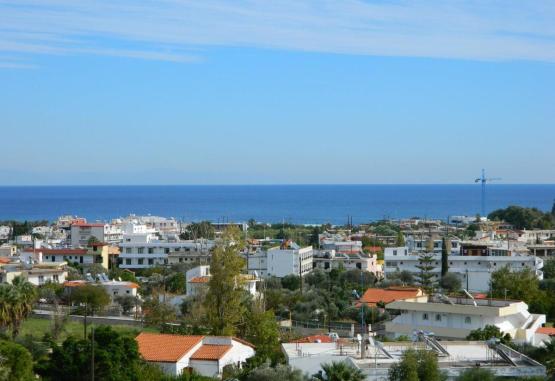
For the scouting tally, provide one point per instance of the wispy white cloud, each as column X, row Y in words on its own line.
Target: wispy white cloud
column 173, row 30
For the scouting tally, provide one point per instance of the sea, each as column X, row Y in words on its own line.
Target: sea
column 300, row 204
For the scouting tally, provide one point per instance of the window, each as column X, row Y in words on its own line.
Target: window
column 394, row 252
column 151, row 250
column 167, row 250
column 424, row 316
column 41, row 279
column 438, row 317
column 150, row 261
column 127, row 261
column 467, row 320
column 141, row 250
column 128, row 250
column 55, row 278
column 140, row 261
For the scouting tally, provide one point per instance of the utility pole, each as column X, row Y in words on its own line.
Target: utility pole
column 92, row 357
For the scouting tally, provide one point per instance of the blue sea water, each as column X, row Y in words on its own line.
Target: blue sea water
column 267, row 203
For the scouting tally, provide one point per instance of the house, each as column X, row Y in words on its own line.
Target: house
column 34, row 272
column 374, row 359
column 198, row 277
column 141, row 248
column 328, row 260
column 7, row 250
column 287, row 259
column 543, row 335
column 456, row 317
column 113, row 288
column 95, row 253
column 474, row 271
column 373, row 296
column 207, row 355
column 81, row 232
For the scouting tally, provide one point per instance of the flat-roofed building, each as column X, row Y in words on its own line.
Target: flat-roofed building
column 454, row 357
column 456, row 317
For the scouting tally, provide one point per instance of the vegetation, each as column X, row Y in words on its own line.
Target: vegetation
column 477, row 374
column 196, row 230
column 523, row 285
column 426, row 277
column 450, row 282
column 489, row 332
column 92, row 298
column 339, row 371
column 16, row 362
column 224, row 306
column 16, row 303
column 524, row 218
column 416, row 365
column 445, row 251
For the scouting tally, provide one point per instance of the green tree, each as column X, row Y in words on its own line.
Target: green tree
column 223, row 302
column 16, row 303
column 92, row 298
column 520, row 285
column 450, row 282
column 445, row 251
column 127, row 302
column 262, row 330
column 400, row 239
column 523, row 218
column 425, row 264
column 477, row 374
column 278, row 373
column 489, row 332
column 196, row 230
column 92, row 240
column 176, row 283
column 291, row 282
column 417, row 365
column 157, row 313
column 17, row 363
column 339, row 371
column 116, row 358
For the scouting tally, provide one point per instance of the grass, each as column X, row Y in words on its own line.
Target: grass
column 37, row 327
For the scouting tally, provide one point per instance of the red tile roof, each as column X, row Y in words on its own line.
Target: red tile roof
column 87, row 225
column 314, row 339
column 61, row 251
column 199, row 279
column 210, row 352
column 546, row 331
column 372, row 296
column 74, row 283
column 164, row 347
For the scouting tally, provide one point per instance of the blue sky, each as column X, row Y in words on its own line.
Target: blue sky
column 247, row 92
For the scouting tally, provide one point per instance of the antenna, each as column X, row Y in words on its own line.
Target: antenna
column 484, row 180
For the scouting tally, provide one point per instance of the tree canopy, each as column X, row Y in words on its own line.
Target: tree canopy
column 524, row 218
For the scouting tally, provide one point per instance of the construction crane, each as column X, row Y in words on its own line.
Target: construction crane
column 484, row 180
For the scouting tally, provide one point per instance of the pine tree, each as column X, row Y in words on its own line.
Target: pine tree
column 425, row 265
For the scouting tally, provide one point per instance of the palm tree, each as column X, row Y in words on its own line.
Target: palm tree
column 339, row 371
column 4, row 306
column 21, row 295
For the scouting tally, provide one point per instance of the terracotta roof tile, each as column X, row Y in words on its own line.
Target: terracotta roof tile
column 372, row 296
column 314, row 339
column 164, row 347
column 199, row 279
column 210, row 352
column 60, row 251
column 546, row 331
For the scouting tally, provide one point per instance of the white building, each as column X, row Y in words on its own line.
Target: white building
column 473, row 271
column 198, row 277
column 330, row 259
column 455, row 318
column 81, row 232
column 141, row 248
column 7, row 250
column 418, row 243
column 207, row 355
column 288, row 259
column 453, row 357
